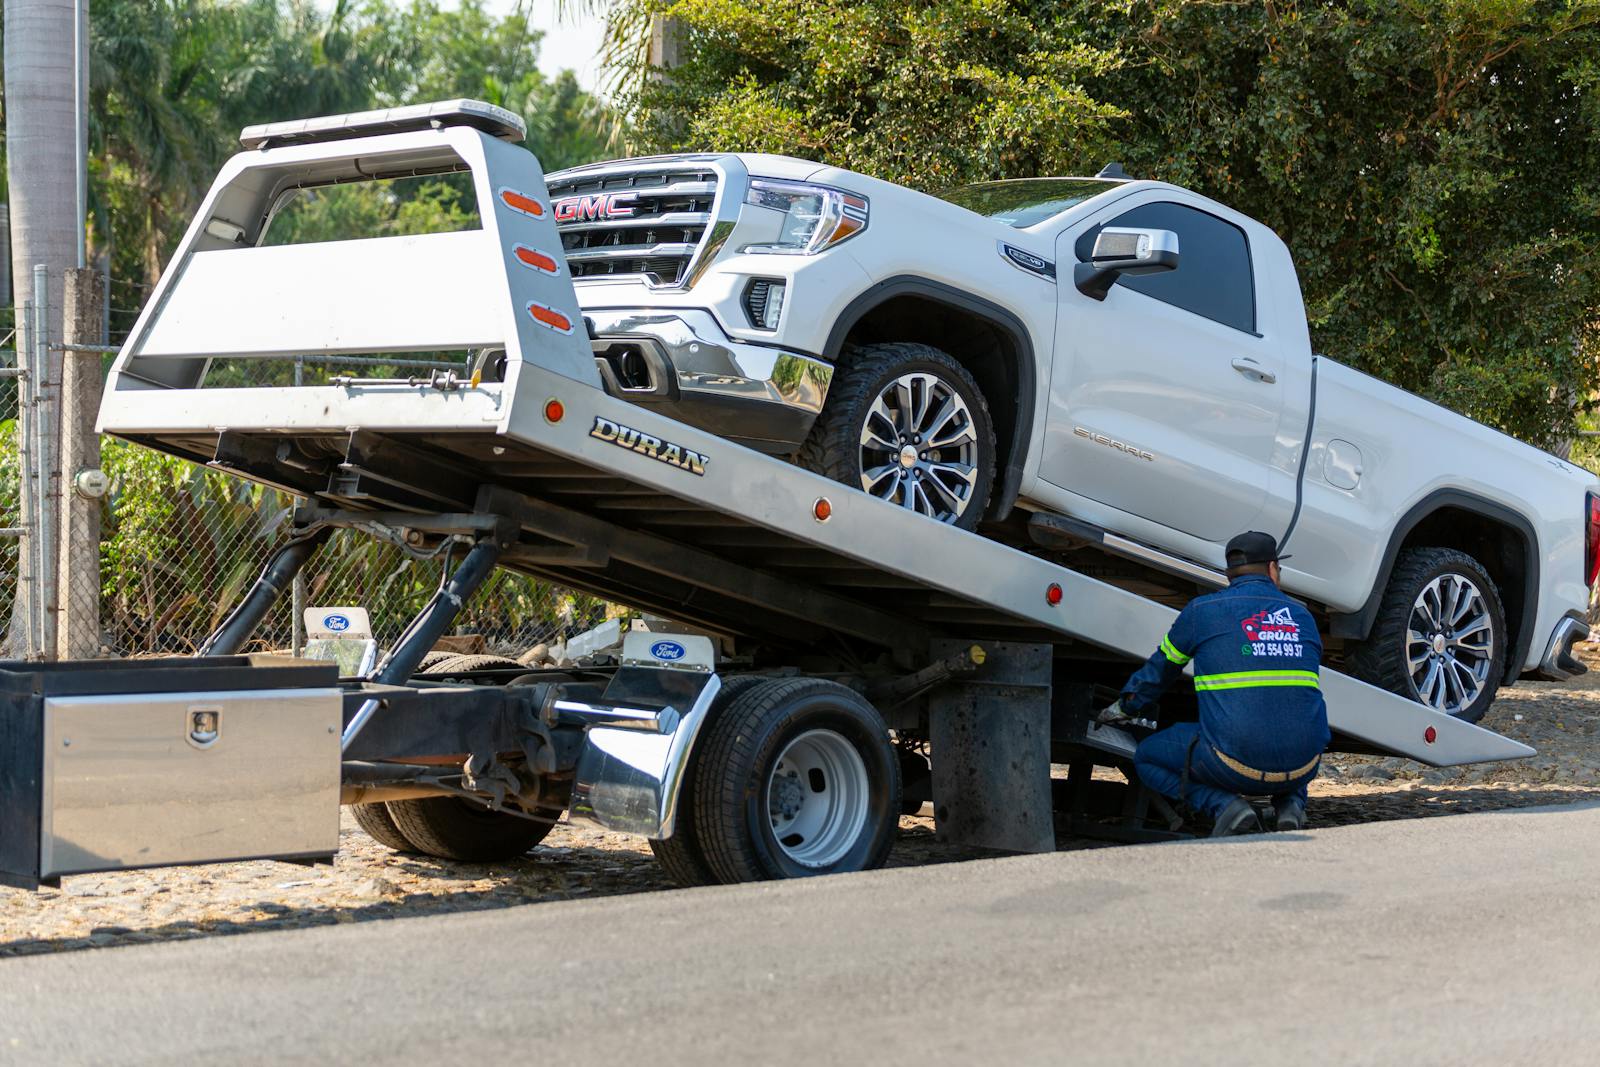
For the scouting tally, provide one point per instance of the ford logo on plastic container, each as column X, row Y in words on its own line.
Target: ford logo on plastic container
column 668, row 650
column 336, row 623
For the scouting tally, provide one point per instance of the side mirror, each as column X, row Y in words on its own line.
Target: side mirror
column 1124, row 251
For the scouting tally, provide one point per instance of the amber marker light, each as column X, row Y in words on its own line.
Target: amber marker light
column 549, row 317
column 822, row 510
column 1052, row 594
column 554, row 410
column 532, row 257
column 522, row 202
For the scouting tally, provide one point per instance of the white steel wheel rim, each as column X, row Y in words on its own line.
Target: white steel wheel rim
column 1450, row 643
column 919, row 447
column 818, row 797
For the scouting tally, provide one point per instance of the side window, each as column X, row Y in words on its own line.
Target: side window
column 1213, row 278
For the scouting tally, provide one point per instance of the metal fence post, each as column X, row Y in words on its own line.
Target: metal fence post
column 79, row 595
column 47, row 459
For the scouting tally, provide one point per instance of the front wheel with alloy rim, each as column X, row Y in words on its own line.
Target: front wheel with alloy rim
column 796, row 777
column 1440, row 634
column 908, row 424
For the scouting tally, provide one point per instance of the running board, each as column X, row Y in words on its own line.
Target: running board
column 1064, row 534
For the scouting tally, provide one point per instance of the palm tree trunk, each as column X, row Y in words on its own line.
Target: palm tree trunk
column 40, row 164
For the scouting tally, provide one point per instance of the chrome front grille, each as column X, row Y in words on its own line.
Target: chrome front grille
column 649, row 220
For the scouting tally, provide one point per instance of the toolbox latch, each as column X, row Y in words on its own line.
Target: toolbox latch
column 205, row 725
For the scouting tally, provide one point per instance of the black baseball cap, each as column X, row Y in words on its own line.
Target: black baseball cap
column 1253, row 546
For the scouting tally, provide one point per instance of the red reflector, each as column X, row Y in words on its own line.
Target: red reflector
column 554, row 410
column 1430, row 735
column 550, row 317
column 521, row 202
column 1052, row 595
column 822, row 509
column 532, row 257
column 1591, row 542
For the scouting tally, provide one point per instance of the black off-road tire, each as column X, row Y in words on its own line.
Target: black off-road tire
column 461, row 664
column 435, row 659
column 378, row 824
column 679, row 855
column 737, row 756
column 455, row 829
column 1381, row 658
column 833, row 448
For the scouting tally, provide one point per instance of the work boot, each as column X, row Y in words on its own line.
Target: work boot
column 1291, row 812
column 1237, row 818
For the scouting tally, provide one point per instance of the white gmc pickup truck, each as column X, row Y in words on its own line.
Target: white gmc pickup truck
column 1113, row 369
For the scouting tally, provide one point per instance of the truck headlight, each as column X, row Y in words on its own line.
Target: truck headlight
column 814, row 216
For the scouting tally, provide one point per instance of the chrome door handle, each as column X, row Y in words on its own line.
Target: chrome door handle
column 1252, row 370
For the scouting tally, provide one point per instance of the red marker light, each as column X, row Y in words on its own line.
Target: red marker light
column 1430, row 735
column 1052, row 595
column 554, row 410
column 822, row 510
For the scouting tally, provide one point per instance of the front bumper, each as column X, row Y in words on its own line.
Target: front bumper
column 681, row 362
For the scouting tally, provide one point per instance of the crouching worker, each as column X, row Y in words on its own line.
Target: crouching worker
column 1263, row 725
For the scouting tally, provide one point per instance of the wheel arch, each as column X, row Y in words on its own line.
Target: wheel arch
column 910, row 308
column 1499, row 538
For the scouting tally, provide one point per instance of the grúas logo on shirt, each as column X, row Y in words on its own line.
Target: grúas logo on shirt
column 1272, row 633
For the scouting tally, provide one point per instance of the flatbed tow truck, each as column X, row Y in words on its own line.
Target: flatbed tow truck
column 824, row 680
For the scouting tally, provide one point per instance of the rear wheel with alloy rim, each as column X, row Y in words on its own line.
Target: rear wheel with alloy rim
column 908, row 424
column 1440, row 635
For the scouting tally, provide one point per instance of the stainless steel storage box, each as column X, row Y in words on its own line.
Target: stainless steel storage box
column 110, row 765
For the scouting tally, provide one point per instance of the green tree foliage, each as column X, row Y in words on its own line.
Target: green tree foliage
column 926, row 93
column 1434, row 164
column 173, row 81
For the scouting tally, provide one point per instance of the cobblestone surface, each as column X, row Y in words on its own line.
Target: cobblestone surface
column 369, row 882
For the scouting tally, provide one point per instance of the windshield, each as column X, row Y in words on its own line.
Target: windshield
column 1025, row 202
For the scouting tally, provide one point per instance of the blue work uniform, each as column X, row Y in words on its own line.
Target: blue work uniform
column 1263, row 725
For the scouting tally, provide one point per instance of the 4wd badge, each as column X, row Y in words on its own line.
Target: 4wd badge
column 637, row 441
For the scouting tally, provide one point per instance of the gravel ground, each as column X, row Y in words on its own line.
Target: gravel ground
column 369, row 882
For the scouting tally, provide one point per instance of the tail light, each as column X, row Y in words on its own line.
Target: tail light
column 1591, row 541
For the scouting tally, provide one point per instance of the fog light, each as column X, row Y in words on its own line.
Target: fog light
column 763, row 302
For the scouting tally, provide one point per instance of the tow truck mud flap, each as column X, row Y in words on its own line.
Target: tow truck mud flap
column 108, row 766
column 628, row 779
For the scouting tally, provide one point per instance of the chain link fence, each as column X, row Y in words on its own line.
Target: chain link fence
column 10, row 472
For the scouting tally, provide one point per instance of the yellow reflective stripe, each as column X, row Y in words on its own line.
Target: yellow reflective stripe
column 1250, row 679
column 1172, row 652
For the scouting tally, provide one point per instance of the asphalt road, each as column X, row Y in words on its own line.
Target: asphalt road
column 1471, row 939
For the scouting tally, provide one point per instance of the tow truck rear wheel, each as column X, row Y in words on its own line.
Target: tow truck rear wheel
column 452, row 828
column 680, row 855
column 379, row 825
column 796, row 777
column 908, row 424
column 1440, row 634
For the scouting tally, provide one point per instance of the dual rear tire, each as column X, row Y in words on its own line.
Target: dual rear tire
column 450, row 828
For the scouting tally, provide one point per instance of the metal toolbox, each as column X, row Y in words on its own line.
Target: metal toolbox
column 109, row 765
